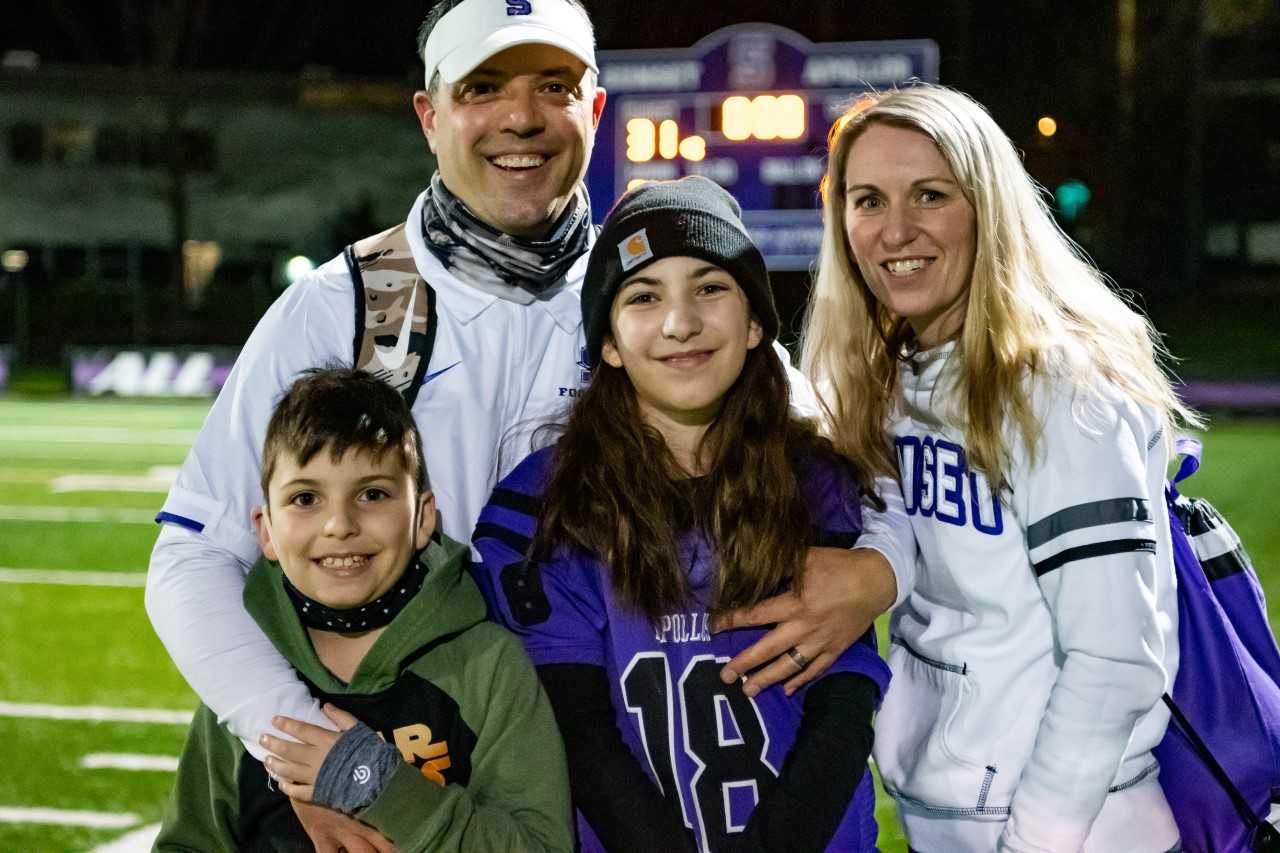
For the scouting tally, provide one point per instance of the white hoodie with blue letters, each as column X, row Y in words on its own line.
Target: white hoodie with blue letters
column 1029, row 657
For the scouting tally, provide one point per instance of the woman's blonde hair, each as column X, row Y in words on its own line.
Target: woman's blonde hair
column 1033, row 295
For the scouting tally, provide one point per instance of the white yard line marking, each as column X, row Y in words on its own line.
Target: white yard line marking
column 95, row 435
column 129, row 761
column 28, row 476
column 79, row 514
column 70, row 577
column 155, row 478
column 95, row 713
column 139, row 840
column 67, row 817
column 84, row 456
column 112, row 483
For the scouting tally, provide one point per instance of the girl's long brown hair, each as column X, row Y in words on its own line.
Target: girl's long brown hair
column 617, row 491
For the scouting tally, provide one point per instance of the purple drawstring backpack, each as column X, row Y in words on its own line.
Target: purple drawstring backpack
column 1220, row 758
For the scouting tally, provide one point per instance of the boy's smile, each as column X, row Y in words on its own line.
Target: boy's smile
column 343, row 531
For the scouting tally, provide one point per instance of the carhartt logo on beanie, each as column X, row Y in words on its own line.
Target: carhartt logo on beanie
column 634, row 250
column 692, row 217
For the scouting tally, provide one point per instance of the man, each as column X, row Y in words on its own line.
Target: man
column 501, row 234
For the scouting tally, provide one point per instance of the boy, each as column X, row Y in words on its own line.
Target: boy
column 446, row 740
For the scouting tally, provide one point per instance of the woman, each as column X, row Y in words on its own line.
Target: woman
column 1030, row 424
column 681, row 487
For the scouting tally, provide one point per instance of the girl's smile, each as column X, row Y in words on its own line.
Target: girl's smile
column 681, row 329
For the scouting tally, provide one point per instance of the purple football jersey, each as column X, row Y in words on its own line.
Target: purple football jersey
column 704, row 744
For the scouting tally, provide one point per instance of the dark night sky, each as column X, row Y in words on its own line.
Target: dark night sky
column 1042, row 52
column 287, row 34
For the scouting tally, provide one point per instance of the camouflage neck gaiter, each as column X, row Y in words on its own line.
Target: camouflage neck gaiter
column 510, row 267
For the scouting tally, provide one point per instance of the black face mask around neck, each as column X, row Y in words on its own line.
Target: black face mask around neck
column 366, row 617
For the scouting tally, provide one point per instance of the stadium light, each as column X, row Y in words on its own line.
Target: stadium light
column 1072, row 196
column 14, row 260
column 297, row 267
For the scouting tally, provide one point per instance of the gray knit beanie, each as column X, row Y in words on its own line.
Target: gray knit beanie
column 692, row 217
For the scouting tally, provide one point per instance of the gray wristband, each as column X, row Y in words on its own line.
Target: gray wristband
column 356, row 770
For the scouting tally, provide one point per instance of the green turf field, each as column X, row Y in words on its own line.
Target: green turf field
column 79, row 481
column 69, row 648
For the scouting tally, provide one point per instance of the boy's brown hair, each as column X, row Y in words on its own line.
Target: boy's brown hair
column 340, row 408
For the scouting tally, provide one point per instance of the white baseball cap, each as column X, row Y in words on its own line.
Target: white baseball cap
column 475, row 30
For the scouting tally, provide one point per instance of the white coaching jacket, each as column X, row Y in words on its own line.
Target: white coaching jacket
column 1029, row 659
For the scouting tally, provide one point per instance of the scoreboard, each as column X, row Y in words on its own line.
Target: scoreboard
column 749, row 107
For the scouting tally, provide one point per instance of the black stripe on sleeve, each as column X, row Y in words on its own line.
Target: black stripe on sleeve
column 516, row 501
column 1097, row 549
column 1225, row 565
column 515, row 541
column 1087, row 515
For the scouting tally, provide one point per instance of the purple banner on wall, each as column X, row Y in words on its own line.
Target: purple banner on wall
column 1256, row 395
column 5, row 355
column 177, row 372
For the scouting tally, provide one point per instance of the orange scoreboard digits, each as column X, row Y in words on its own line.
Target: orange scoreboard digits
column 749, row 107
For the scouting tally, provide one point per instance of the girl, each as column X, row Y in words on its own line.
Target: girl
column 1029, row 425
column 680, row 487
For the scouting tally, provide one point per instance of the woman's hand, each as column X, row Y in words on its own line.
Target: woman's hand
column 843, row 593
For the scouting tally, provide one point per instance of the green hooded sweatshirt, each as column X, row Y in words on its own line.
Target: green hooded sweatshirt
column 484, row 766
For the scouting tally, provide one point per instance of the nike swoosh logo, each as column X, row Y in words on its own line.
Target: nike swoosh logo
column 395, row 358
column 431, row 376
